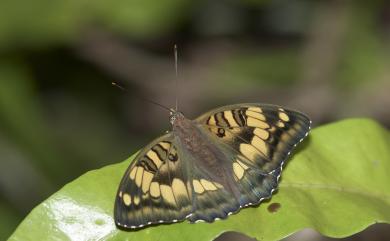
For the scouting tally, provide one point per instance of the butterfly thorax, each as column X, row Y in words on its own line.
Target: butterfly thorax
column 197, row 145
column 186, row 131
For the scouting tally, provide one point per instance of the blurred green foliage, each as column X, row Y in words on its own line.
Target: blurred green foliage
column 8, row 221
column 49, row 23
column 271, row 68
column 22, row 117
column 365, row 51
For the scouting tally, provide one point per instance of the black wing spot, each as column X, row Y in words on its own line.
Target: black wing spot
column 221, row 132
column 173, row 157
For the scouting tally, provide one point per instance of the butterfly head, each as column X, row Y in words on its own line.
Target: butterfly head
column 175, row 117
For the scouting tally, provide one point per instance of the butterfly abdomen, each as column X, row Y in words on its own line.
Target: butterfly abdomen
column 205, row 157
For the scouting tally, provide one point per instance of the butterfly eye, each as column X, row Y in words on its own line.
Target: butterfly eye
column 172, row 119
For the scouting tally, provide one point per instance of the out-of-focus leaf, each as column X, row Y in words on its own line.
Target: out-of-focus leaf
column 22, row 118
column 362, row 58
column 337, row 183
column 44, row 22
column 8, row 221
column 270, row 68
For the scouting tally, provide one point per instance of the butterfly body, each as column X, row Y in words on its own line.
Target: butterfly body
column 205, row 157
column 208, row 168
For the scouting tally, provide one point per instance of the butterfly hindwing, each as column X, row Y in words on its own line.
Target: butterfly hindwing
column 212, row 201
column 155, row 188
column 247, row 186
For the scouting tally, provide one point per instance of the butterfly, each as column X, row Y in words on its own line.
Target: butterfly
column 208, row 168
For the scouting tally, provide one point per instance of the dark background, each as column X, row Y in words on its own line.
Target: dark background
column 60, row 116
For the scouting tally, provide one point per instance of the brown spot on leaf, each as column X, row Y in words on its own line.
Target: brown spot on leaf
column 274, row 207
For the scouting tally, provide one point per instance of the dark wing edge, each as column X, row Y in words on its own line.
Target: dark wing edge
column 202, row 118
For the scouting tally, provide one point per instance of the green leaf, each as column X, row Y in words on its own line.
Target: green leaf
column 336, row 182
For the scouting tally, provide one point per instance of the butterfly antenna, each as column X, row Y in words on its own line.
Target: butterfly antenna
column 177, row 78
column 144, row 99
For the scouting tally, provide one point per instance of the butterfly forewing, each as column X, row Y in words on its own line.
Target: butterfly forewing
column 155, row 187
column 261, row 136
